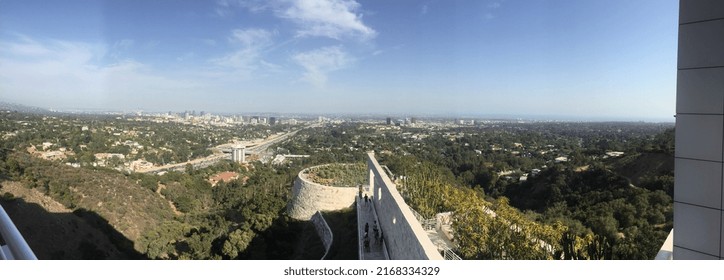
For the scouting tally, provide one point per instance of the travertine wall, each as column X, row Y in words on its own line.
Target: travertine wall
column 404, row 236
column 309, row 197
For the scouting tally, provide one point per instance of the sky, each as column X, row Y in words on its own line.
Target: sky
column 613, row 59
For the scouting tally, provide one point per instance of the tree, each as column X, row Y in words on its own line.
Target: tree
column 237, row 242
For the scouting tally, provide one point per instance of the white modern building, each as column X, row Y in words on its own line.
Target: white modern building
column 238, row 154
column 699, row 156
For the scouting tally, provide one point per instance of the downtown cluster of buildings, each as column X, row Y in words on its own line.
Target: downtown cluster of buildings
column 205, row 118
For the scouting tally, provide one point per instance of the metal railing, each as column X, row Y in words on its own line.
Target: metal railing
column 15, row 247
column 431, row 224
column 427, row 224
column 448, row 254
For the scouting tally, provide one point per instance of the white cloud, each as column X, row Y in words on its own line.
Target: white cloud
column 243, row 60
column 251, row 37
column 123, row 44
column 209, row 42
column 185, row 57
column 251, row 42
column 152, row 44
column 489, row 10
column 25, row 47
column 120, row 48
column 335, row 19
column 226, row 8
column 223, row 8
column 319, row 62
column 72, row 75
column 423, row 10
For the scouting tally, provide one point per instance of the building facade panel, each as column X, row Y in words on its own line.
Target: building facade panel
column 703, row 182
column 721, row 236
column 701, row 91
column 700, row 10
column 698, row 194
column 699, row 136
column 701, row 44
column 697, row 228
column 684, row 254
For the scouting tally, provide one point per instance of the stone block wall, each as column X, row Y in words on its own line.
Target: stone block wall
column 404, row 236
column 309, row 197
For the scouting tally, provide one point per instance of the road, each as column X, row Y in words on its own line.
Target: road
column 255, row 147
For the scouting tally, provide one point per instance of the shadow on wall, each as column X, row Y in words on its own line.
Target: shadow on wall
column 81, row 235
column 344, row 229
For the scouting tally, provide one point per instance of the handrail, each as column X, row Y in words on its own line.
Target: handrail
column 19, row 249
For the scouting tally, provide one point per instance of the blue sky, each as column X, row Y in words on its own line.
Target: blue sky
column 582, row 59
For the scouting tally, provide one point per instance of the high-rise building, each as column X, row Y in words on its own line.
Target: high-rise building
column 238, row 154
column 389, row 121
column 272, row 120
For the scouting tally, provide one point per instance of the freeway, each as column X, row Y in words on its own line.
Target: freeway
column 255, row 147
column 196, row 163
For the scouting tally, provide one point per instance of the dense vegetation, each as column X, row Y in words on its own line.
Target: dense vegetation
column 126, row 206
column 176, row 215
column 231, row 220
column 630, row 221
column 602, row 214
column 554, row 191
column 137, row 138
column 338, row 175
column 482, row 229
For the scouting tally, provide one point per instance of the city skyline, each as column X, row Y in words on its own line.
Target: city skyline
column 593, row 60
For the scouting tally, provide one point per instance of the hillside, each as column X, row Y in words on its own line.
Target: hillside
column 54, row 231
column 121, row 208
column 627, row 221
column 641, row 168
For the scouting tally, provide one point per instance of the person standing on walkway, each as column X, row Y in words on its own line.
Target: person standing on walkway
column 367, row 228
column 367, row 242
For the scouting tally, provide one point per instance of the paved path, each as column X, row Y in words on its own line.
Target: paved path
column 366, row 214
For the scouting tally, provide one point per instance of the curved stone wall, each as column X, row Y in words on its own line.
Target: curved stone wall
column 309, row 197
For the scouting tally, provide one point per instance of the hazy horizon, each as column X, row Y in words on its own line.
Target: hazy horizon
column 394, row 115
column 612, row 60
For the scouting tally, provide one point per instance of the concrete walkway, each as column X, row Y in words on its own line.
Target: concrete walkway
column 366, row 214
